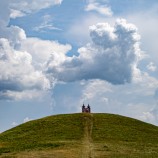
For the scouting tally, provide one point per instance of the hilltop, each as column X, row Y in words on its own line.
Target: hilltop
column 81, row 136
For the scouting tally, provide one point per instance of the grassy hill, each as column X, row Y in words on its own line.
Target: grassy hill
column 81, row 136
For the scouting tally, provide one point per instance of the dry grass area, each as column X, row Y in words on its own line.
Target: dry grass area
column 74, row 149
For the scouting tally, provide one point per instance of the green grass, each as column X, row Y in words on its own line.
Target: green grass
column 50, row 132
column 63, row 135
column 118, row 136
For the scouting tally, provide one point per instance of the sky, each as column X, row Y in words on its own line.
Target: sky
column 56, row 55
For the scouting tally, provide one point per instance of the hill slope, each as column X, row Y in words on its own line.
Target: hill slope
column 81, row 136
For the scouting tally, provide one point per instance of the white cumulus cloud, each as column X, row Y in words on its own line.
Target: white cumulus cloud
column 43, row 50
column 17, row 71
column 22, row 59
column 112, row 55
